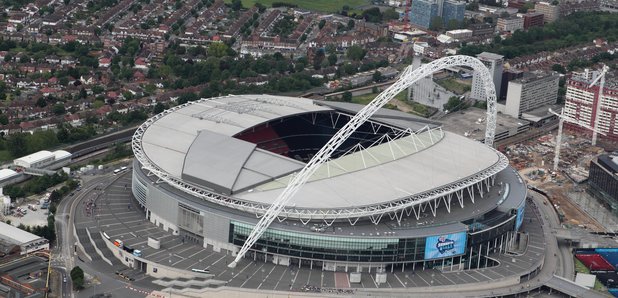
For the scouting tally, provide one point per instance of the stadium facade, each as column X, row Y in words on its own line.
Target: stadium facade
column 400, row 192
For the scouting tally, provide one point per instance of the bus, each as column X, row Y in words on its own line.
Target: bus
column 121, row 169
column 200, row 270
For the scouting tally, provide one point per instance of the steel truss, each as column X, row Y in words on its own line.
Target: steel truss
column 408, row 77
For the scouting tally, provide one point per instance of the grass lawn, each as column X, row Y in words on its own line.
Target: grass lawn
column 315, row 5
column 452, row 85
column 415, row 108
column 580, row 267
column 5, row 156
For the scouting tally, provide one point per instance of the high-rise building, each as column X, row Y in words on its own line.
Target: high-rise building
column 581, row 104
column 453, row 10
column 494, row 63
column 550, row 12
column 533, row 19
column 530, row 92
column 510, row 24
column 423, row 11
column 603, row 178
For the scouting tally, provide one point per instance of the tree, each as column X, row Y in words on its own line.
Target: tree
column 559, row 68
column 77, row 276
column 321, row 24
column 390, row 14
column 236, row 5
column 217, row 49
column 4, row 120
column 59, row 109
column 347, row 96
column 158, row 108
column 332, row 59
column 16, row 144
column 454, row 104
column 350, row 24
column 377, row 76
column 355, row 53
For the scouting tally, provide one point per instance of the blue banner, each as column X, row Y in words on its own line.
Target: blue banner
column 443, row 246
column 520, row 215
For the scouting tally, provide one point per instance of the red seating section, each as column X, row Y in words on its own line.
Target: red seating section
column 595, row 262
column 266, row 138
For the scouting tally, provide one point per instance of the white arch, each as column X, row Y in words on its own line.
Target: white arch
column 408, row 77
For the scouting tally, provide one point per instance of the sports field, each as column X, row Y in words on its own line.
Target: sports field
column 316, row 5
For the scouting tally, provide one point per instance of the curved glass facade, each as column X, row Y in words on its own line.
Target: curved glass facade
column 323, row 247
column 349, row 249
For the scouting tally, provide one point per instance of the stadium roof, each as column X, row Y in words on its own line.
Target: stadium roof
column 194, row 143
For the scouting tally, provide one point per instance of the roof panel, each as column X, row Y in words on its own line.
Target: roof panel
column 215, row 160
column 453, row 158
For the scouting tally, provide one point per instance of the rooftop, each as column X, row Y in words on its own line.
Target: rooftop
column 194, row 142
column 489, row 56
column 16, row 235
column 466, row 123
column 36, row 157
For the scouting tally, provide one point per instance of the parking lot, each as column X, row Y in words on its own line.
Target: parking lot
column 118, row 215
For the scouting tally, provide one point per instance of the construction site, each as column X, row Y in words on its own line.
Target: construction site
column 566, row 187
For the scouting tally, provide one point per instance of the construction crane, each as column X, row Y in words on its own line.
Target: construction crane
column 563, row 118
column 597, row 114
column 406, row 17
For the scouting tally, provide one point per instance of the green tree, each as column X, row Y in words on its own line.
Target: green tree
column 559, row 68
column 453, row 104
column 321, row 24
column 217, row 49
column 236, row 5
column 377, row 76
column 59, row 109
column 355, row 53
column 390, row 14
column 347, row 96
column 4, row 120
column 158, row 108
column 350, row 24
column 16, row 144
column 332, row 59
column 77, row 276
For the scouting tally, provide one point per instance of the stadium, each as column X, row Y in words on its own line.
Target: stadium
column 399, row 193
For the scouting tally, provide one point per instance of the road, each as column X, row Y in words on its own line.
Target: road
column 565, row 266
column 65, row 250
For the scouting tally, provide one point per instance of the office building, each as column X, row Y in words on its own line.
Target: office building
column 494, row 63
column 533, row 19
column 510, row 24
column 422, row 12
column 453, row 10
column 550, row 12
column 530, row 92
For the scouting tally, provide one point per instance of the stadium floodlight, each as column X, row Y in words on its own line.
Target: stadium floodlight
column 408, row 77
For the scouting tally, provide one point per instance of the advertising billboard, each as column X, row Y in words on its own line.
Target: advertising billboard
column 520, row 216
column 443, row 246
